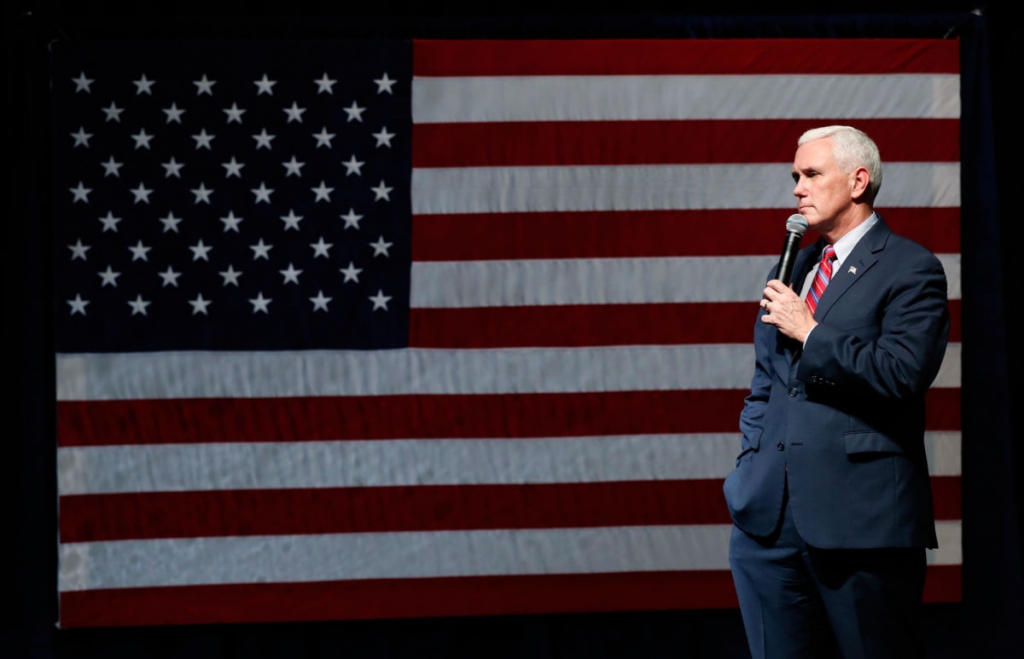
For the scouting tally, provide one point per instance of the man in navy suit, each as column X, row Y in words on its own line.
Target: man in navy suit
column 830, row 496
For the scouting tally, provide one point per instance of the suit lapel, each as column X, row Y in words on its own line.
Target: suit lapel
column 863, row 256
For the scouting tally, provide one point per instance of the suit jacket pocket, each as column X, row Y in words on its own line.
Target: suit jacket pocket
column 859, row 441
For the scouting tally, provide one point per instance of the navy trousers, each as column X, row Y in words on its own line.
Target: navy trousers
column 800, row 602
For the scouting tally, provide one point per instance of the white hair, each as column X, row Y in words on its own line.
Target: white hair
column 851, row 148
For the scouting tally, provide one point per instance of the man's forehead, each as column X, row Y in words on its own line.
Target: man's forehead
column 815, row 154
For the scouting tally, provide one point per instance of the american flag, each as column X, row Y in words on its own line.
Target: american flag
column 367, row 329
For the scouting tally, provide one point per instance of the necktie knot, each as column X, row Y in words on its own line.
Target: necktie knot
column 821, row 278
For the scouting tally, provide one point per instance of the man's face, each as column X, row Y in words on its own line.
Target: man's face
column 823, row 191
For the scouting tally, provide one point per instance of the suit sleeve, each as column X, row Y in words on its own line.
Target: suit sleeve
column 756, row 402
column 893, row 352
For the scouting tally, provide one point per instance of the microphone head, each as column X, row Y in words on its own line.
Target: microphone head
column 796, row 224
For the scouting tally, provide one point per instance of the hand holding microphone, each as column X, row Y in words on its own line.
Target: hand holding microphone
column 787, row 311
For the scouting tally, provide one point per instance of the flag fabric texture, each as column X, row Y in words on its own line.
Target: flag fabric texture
column 369, row 329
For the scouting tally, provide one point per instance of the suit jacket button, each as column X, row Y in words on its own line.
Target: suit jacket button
column 793, row 392
column 780, row 446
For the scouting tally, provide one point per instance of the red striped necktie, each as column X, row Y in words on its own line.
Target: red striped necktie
column 822, row 278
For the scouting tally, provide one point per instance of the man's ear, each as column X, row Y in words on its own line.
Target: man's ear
column 861, row 179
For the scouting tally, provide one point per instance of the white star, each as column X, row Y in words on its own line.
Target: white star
column 199, row 305
column 111, row 167
column 170, row 223
column 142, row 139
column 81, row 193
column 231, row 222
column 259, row 303
column 260, row 250
column 324, row 84
column 141, row 193
column 230, row 276
column 139, row 305
column 264, row 85
column 234, row 113
column 291, row 274
column 320, row 301
column 351, row 272
column 110, row 222
column 82, row 84
column 293, row 167
column 262, row 193
column 200, row 251
column 323, row 138
column 382, row 191
column 294, row 113
column 323, row 193
column 320, row 248
column 384, row 84
column 109, row 277
column 170, row 277
column 172, row 168
column 143, row 85
column 263, row 139
column 380, row 247
column 291, row 220
column 383, row 137
column 139, row 252
column 78, row 250
column 173, row 113
column 353, row 166
column 354, row 112
column 204, row 86
column 202, row 193
column 234, row 168
column 380, row 301
column 203, row 140
column 78, row 304
column 351, row 219
column 113, row 113
column 81, row 137
column 853, row 270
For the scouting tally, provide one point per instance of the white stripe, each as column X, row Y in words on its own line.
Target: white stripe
column 513, row 283
column 943, row 451
column 241, row 374
column 950, row 551
column 626, row 97
column 654, row 187
column 281, row 559
column 412, row 462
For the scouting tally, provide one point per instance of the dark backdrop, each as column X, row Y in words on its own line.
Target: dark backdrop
column 984, row 625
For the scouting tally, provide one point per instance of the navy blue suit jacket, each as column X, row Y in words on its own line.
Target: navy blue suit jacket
column 842, row 418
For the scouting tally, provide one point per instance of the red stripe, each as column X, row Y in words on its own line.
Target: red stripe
column 423, row 598
column 684, row 57
column 150, row 515
column 583, row 325
column 199, row 420
column 623, row 234
column 90, row 518
column 126, row 422
column 664, row 142
column 942, row 409
column 955, row 331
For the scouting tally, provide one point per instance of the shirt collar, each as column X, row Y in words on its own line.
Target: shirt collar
column 844, row 246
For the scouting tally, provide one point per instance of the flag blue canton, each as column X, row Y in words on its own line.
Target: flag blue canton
column 232, row 199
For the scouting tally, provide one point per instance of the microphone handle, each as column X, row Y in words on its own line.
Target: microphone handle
column 784, row 272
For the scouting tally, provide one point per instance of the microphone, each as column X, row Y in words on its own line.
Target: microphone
column 796, row 225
